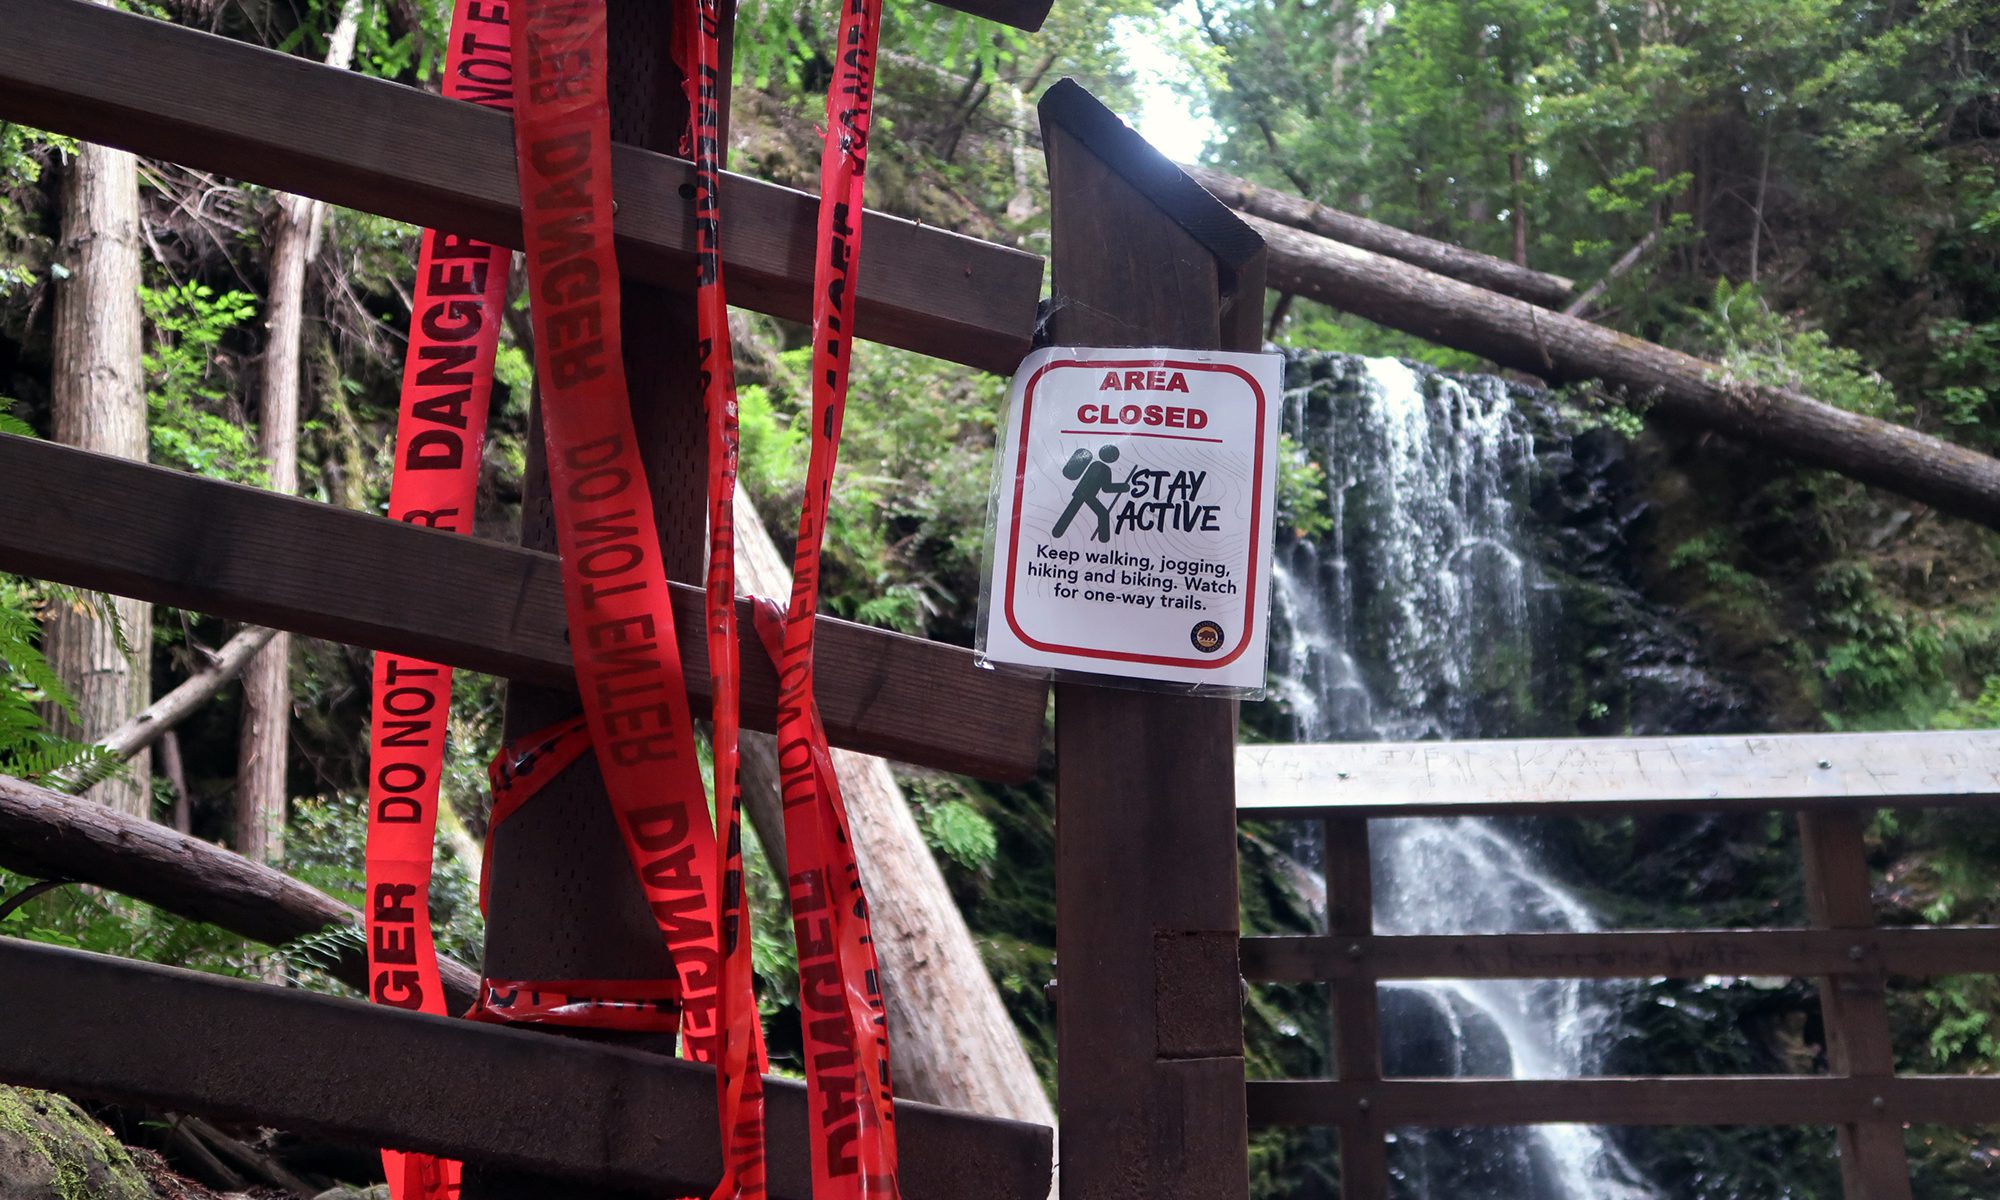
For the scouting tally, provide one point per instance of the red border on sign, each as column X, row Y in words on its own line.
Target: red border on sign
column 1020, row 486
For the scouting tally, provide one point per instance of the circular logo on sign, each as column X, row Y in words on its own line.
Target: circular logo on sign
column 1207, row 637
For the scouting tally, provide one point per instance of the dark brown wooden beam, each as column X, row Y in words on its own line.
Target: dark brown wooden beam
column 1150, row 1014
column 1357, row 1010
column 342, row 1069
column 253, row 114
column 99, row 522
column 1627, row 954
column 1874, row 1161
column 1658, row 1100
column 1021, row 14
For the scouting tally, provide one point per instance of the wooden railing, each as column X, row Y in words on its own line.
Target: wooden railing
column 1149, row 1028
column 1830, row 781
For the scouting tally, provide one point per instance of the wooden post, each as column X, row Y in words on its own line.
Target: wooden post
column 1149, row 1016
column 564, row 902
column 1357, row 1024
column 1874, row 1164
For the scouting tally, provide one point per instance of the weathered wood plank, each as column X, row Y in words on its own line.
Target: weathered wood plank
column 231, row 1049
column 1357, row 1011
column 100, row 522
column 1874, row 1164
column 1149, row 1016
column 1627, row 954
column 239, row 110
column 1782, row 771
column 1657, row 1100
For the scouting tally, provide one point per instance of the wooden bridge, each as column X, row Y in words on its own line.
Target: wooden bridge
column 1831, row 781
column 1153, row 1101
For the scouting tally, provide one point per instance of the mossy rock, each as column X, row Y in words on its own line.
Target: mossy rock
column 51, row 1150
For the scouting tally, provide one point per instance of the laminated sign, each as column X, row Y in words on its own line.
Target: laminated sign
column 1131, row 520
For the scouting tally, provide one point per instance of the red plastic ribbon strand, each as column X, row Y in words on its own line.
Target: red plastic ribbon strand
column 840, row 999
column 740, row 1052
column 626, row 1005
column 447, row 383
column 621, row 622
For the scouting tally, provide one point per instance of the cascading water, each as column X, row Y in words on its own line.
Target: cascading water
column 1415, row 615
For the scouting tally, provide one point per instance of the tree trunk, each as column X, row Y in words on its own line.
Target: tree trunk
column 267, row 683
column 99, row 403
column 954, row 1043
column 48, row 835
column 1484, row 270
column 1677, row 386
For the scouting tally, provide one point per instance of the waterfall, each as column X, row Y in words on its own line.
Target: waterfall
column 1415, row 615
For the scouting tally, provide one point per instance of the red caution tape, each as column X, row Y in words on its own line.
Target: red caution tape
column 621, row 623
column 840, row 997
column 626, row 1005
column 441, row 423
column 740, row 1050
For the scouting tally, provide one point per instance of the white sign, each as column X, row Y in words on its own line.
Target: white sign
column 1132, row 522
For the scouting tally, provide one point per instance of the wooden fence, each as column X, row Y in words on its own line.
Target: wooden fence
column 1150, row 1021
column 1829, row 781
column 1153, row 1101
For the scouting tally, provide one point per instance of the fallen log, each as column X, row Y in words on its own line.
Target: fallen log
column 52, row 836
column 1677, row 386
column 1455, row 262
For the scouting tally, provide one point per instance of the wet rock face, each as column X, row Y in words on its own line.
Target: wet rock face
column 51, row 1150
column 1532, row 521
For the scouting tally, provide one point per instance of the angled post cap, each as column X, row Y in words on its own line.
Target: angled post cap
column 1069, row 106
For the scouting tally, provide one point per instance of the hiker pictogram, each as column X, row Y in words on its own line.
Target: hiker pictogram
column 1093, row 481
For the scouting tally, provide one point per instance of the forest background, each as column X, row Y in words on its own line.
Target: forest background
column 1820, row 180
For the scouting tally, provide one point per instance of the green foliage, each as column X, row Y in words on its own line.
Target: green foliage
column 906, row 529
column 1587, row 407
column 29, row 749
column 184, row 392
column 1312, row 326
column 104, row 923
column 950, row 817
column 325, row 844
column 24, row 247
column 1883, row 663
column 1301, row 491
column 1758, row 346
column 1825, row 148
column 1729, row 587
column 1966, row 364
